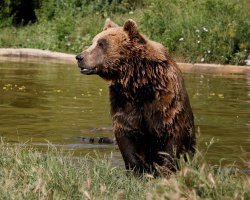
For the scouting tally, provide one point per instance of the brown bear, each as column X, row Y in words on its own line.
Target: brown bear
column 152, row 118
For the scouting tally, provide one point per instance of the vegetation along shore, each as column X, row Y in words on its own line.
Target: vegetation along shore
column 210, row 31
column 26, row 173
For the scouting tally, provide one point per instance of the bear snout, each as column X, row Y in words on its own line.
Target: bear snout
column 79, row 57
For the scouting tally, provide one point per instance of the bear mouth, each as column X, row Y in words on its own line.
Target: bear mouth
column 88, row 71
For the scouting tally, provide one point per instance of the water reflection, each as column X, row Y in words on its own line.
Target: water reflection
column 221, row 107
column 55, row 103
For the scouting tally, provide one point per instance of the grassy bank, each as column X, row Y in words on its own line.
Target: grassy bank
column 211, row 31
column 26, row 173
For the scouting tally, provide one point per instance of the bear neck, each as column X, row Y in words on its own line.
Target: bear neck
column 140, row 79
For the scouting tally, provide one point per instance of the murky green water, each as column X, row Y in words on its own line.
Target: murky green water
column 55, row 103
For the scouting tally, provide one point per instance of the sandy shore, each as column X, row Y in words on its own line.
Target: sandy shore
column 26, row 54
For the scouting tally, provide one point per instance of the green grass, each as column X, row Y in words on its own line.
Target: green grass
column 201, row 30
column 26, row 173
column 211, row 31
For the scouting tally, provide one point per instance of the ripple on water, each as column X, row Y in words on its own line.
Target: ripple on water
column 41, row 103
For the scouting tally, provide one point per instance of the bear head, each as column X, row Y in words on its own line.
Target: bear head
column 116, row 46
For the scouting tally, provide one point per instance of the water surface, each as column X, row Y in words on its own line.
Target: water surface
column 42, row 103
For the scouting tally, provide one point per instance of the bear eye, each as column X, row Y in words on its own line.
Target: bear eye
column 101, row 43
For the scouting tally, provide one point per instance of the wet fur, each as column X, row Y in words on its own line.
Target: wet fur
column 151, row 112
column 152, row 118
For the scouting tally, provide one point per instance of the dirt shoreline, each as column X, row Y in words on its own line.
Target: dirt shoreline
column 27, row 54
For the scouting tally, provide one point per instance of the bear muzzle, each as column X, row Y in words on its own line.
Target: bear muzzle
column 84, row 69
column 88, row 70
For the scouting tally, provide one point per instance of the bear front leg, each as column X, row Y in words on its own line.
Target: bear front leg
column 133, row 161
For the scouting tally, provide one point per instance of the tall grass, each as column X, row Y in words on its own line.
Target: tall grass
column 26, row 173
column 203, row 181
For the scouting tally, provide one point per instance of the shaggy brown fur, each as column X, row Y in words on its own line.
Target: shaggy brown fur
column 152, row 117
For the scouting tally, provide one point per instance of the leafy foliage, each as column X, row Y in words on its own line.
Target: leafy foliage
column 211, row 31
column 17, row 12
column 200, row 30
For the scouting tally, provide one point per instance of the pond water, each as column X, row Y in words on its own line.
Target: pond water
column 42, row 103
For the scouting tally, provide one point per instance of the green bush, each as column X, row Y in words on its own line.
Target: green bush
column 200, row 30
column 21, row 12
column 17, row 12
column 73, row 20
column 51, row 9
column 5, row 10
column 211, row 31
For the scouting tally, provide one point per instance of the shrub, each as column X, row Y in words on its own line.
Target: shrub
column 200, row 30
column 73, row 19
column 17, row 12
column 51, row 9
column 212, row 31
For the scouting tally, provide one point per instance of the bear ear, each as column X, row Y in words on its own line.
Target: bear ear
column 131, row 28
column 109, row 24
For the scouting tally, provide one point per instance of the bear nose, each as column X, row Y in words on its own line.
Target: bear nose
column 79, row 57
